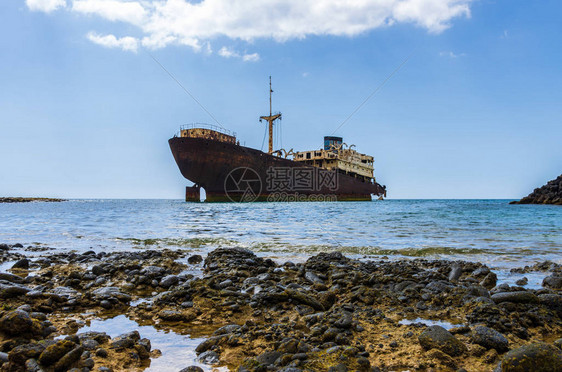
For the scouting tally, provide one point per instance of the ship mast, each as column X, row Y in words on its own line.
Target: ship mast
column 270, row 119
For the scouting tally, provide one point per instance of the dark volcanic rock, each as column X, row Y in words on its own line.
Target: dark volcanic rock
column 489, row 338
column 553, row 281
column 521, row 297
column 437, row 337
column 21, row 264
column 551, row 193
column 537, row 357
column 16, row 323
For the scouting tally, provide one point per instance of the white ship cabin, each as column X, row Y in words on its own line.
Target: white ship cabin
column 334, row 155
column 208, row 131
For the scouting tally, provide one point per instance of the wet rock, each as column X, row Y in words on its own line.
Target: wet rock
column 489, row 338
column 552, row 301
column 153, row 271
column 313, row 278
column 16, row 323
column 552, row 281
column 169, row 281
column 522, row 297
column 175, row 316
column 20, row 354
column 32, row 365
column 489, row 281
column 11, row 278
column 192, row 369
column 100, row 337
column 537, row 357
column 437, row 337
column 106, row 293
column 209, row 343
column 55, row 352
column 102, row 353
column 268, row 358
column 523, row 281
column 209, row 357
column 21, row 264
column 13, row 290
column 227, row 329
column 3, row 357
column 195, row 259
column 455, row 274
column 4, row 247
column 69, row 359
column 90, row 344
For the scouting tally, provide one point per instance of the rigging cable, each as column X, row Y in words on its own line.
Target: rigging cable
column 375, row 91
column 185, row 90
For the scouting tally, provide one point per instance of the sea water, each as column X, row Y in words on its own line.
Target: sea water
column 489, row 231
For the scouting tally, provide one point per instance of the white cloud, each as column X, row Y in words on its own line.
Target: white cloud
column 451, row 54
column 254, row 57
column 230, row 53
column 127, row 43
column 112, row 10
column 46, row 6
column 194, row 23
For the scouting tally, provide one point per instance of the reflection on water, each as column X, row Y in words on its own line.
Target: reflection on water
column 178, row 351
column 491, row 231
column 428, row 322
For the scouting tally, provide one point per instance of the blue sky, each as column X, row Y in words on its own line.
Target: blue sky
column 475, row 112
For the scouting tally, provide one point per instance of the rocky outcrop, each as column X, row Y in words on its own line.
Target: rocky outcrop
column 551, row 193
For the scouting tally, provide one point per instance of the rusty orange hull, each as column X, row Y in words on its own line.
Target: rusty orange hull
column 230, row 172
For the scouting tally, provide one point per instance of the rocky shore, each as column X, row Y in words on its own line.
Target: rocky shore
column 330, row 313
column 29, row 200
column 551, row 193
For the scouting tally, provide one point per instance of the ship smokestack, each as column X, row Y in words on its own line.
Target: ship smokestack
column 331, row 143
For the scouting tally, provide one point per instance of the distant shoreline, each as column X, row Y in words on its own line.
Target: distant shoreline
column 29, row 200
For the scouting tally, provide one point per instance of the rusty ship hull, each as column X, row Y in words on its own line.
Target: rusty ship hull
column 209, row 164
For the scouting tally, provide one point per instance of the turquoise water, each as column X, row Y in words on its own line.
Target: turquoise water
column 490, row 231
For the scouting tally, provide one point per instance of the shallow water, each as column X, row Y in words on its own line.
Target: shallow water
column 178, row 351
column 490, row 231
column 428, row 322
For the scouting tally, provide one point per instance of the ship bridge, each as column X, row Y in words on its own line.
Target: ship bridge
column 335, row 156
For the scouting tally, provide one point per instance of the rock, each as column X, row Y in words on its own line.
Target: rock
column 552, row 301
column 455, row 274
column 4, row 247
column 11, row 278
column 153, row 271
column 268, row 358
column 21, row 264
column 20, row 354
column 174, row 316
column 168, row 281
column 313, row 278
column 3, row 357
column 11, row 291
column 55, row 352
column 552, row 281
column 16, row 323
column 98, row 270
column 227, row 329
column 489, row 338
column 195, row 259
column 192, row 369
column 489, row 281
column 32, row 365
column 209, row 343
column 439, row 338
column 102, row 353
column 551, row 193
column 69, row 359
column 521, row 297
column 209, row 357
column 105, row 293
column 523, row 281
column 536, row 357
column 90, row 344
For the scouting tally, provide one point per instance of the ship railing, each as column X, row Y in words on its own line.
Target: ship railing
column 216, row 128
